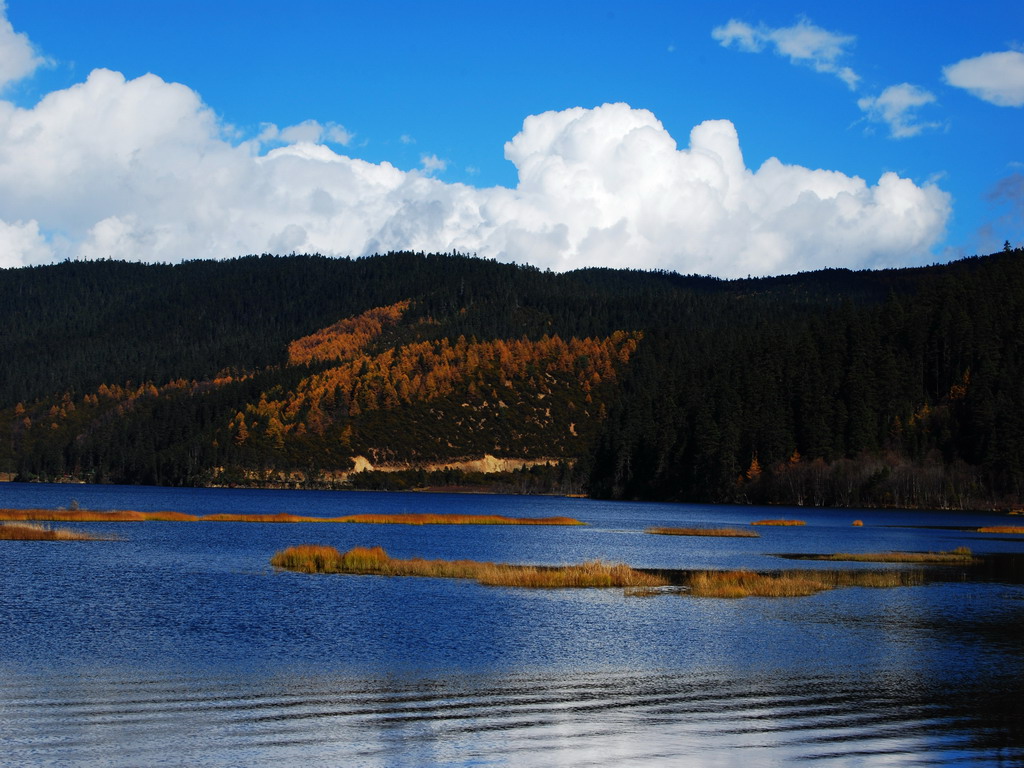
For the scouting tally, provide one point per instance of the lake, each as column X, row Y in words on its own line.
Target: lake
column 179, row 645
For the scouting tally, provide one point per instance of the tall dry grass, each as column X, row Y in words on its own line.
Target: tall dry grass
column 395, row 519
column 38, row 532
column 778, row 522
column 725, row 532
column 131, row 516
column 736, row 584
column 311, row 558
column 281, row 517
column 594, row 573
column 92, row 516
column 307, row 558
column 955, row 556
column 1002, row 529
column 452, row 519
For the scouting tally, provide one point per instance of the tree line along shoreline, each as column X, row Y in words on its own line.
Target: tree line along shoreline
column 895, row 388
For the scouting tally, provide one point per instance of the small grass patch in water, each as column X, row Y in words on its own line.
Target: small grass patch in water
column 778, row 522
column 92, row 516
column 307, row 558
column 311, row 558
column 725, row 532
column 1018, row 529
column 131, row 516
column 37, row 532
column 858, row 523
column 395, row 519
column 737, row 584
column 281, row 517
column 453, row 519
column 960, row 555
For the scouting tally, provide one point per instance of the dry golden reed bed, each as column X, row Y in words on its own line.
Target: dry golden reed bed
column 130, row 516
column 956, row 556
column 736, row 584
column 312, row 558
column 725, row 532
column 778, row 522
column 37, row 532
column 1002, row 529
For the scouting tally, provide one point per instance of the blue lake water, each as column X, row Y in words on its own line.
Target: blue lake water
column 179, row 645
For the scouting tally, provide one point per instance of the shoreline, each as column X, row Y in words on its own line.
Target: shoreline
column 497, row 490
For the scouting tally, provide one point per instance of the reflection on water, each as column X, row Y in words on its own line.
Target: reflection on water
column 178, row 645
column 598, row 719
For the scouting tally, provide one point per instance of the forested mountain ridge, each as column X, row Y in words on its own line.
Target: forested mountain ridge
column 900, row 387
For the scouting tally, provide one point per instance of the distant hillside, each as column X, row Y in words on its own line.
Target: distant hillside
column 896, row 387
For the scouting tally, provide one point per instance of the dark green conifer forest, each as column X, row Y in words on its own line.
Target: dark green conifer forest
column 896, row 387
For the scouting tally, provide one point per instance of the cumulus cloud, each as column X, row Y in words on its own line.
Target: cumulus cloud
column 142, row 169
column 897, row 107
column 998, row 78
column 18, row 58
column 21, row 244
column 609, row 183
column 803, row 43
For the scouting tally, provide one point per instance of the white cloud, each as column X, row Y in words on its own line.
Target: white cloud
column 141, row 169
column 21, row 244
column 406, row 139
column 803, row 43
column 806, row 43
column 308, row 131
column 614, row 180
column 432, row 163
column 740, row 34
column 897, row 107
column 18, row 58
column 998, row 78
column 336, row 134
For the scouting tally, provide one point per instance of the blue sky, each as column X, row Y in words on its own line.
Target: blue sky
column 428, row 95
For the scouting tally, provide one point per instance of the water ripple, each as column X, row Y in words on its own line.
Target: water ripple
column 591, row 720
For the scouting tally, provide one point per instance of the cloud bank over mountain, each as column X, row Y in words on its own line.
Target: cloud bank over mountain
column 142, row 169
